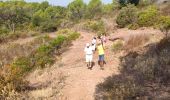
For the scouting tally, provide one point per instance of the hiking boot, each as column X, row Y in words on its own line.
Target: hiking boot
column 90, row 68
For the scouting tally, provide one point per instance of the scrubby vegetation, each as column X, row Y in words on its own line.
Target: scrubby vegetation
column 148, row 17
column 95, row 26
column 144, row 75
column 164, row 24
column 128, row 15
column 144, row 72
column 117, row 46
column 17, row 50
column 17, row 66
column 17, row 18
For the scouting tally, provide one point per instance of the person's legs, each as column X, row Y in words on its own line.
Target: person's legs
column 101, row 65
column 91, row 60
column 101, row 59
column 87, row 60
column 89, row 64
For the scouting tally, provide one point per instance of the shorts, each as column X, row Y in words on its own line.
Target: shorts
column 101, row 57
column 89, row 58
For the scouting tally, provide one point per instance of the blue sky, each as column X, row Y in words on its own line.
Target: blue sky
column 63, row 2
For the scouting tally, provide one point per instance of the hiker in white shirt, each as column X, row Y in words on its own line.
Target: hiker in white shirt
column 94, row 44
column 89, row 55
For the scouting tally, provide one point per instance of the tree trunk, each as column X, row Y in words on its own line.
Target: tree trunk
column 9, row 26
column 13, row 27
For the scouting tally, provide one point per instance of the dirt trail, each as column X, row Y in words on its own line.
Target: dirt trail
column 80, row 82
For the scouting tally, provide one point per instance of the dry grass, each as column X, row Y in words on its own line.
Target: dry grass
column 136, row 40
column 14, row 51
column 48, row 85
column 117, row 45
column 144, row 75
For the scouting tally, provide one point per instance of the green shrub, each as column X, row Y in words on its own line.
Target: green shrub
column 42, row 60
column 73, row 36
column 48, row 26
column 64, row 31
column 4, row 30
column 148, row 17
column 109, row 8
column 133, row 26
column 128, row 15
column 69, row 34
column 117, row 45
column 45, row 53
column 164, row 24
column 44, row 49
column 23, row 63
column 58, row 41
column 95, row 26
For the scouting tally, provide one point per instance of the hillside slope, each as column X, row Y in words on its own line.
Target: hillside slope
column 69, row 78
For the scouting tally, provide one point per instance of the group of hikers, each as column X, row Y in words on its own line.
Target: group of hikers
column 97, row 44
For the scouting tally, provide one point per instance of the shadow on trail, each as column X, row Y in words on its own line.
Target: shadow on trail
column 143, row 76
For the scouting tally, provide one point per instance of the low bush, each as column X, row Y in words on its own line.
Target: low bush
column 164, row 24
column 95, row 26
column 109, row 8
column 11, row 82
column 133, row 26
column 42, row 56
column 148, row 17
column 132, row 18
column 48, row 26
column 24, row 65
column 71, row 35
column 64, row 31
column 128, row 15
column 117, row 45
